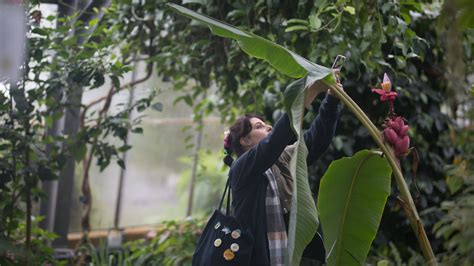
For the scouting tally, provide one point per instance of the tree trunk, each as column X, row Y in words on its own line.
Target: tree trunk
column 48, row 205
column 58, row 205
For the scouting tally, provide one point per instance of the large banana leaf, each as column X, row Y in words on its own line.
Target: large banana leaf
column 351, row 199
column 304, row 216
column 284, row 60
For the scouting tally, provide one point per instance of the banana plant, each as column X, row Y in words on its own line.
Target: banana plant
column 304, row 215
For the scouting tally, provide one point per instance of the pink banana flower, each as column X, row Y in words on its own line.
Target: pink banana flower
column 395, row 133
column 394, row 129
column 385, row 93
column 402, row 146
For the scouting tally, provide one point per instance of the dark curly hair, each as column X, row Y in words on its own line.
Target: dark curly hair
column 238, row 130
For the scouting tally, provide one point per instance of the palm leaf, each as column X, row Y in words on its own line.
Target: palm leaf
column 351, row 199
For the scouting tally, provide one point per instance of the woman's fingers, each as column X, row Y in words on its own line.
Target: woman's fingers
column 339, row 85
column 336, row 74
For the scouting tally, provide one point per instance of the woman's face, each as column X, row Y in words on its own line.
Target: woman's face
column 259, row 131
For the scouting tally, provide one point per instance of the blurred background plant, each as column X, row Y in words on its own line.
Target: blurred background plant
column 174, row 244
column 58, row 67
column 38, row 253
column 389, row 255
column 456, row 227
column 101, row 255
column 211, row 176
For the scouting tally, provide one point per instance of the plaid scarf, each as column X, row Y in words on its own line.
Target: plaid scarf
column 276, row 231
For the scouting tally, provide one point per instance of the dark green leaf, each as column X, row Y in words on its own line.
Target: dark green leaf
column 157, row 107
column 236, row 13
column 314, row 22
column 121, row 163
column 124, row 148
column 115, row 81
column 200, row 2
column 298, row 21
column 46, row 173
column 296, row 28
column 79, row 151
column 351, row 200
column 40, row 31
column 138, row 130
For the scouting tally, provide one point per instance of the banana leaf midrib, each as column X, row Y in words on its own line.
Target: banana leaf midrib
column 341, row 230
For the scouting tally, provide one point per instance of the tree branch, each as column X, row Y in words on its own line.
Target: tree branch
column 112, row 92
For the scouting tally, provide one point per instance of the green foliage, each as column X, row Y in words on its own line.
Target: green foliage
column 173, row 245
column 390, row 256
column 351, row 200
column 12, row 248
column 209, row 184
column 103, row 256
column 384, row 37
column 456, row 227
column 58, row 68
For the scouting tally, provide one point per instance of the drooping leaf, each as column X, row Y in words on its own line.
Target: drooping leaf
column 351, row 199
column 304, row 216
column 284, row 60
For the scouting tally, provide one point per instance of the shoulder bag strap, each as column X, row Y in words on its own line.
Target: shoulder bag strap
column 226, row 190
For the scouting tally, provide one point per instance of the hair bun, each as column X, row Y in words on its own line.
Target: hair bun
column 228, row 160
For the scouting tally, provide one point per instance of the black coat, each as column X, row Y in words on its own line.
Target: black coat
column 247, row 174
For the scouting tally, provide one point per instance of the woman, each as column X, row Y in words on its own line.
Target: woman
column 259, row 177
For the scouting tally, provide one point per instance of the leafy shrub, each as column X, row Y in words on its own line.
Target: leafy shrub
column 456, row 228
column 12, row 250
column 390, row 255
column 173, row 245
column 102, row 256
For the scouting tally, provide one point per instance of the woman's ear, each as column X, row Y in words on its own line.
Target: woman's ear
column 244, row 142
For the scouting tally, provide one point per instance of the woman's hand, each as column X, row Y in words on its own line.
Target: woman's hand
column 318, row 87
column 338, row 82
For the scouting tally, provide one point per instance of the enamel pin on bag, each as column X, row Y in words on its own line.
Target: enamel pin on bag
column 223, row 241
